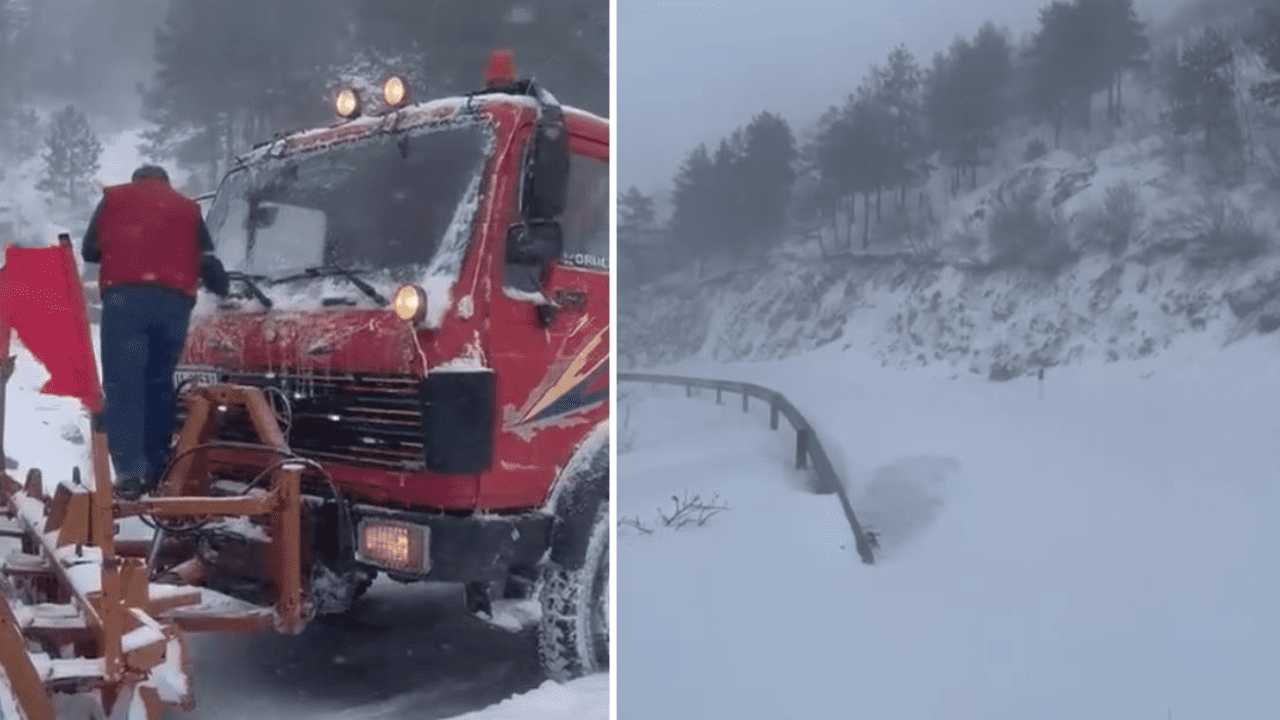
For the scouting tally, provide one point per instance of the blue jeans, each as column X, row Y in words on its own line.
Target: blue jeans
column 143, row 333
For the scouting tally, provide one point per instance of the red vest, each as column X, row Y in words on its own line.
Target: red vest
column 149, row 234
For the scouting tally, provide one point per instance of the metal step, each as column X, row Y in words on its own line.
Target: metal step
column 61, row 670
column 50, row 617
column 20, row 563
column 10, row 527
column 215, row 608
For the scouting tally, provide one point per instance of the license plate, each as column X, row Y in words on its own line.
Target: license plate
column 195, row 378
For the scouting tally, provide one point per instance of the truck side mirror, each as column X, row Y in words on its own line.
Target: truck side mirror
column 531, row 248
column 546, row 186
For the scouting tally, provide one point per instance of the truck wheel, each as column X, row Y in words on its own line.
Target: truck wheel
column 573, row 634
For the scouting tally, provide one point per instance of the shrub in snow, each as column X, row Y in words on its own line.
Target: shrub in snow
column 687, row 511
column 1219, row 234
column 1247, row 300
column 692, row 511
column 1269, row 318
column 1114, row 226
column 1024, row 234
column 635, row 524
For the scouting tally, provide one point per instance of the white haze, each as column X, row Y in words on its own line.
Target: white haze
column 691, row 72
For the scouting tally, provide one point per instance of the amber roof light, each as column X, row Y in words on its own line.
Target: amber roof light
column 395, row 91
column 347, row 103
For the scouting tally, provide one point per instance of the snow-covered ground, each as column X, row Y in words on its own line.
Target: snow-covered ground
column 1106, row 552
column 405, row 653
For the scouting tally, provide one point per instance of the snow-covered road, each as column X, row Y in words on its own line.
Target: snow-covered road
column 404, row 652
column 1108, row 552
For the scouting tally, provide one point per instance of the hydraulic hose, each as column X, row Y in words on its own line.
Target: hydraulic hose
column 346, row 523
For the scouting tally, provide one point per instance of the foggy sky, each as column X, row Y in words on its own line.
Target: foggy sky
column 691, row 71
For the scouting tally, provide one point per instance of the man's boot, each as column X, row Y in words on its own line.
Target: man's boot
column 150, row 484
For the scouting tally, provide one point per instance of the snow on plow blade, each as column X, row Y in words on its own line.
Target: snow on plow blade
column 85, row 628
column 82, row 616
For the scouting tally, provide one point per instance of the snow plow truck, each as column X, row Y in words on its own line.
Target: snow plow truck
column 409, row 378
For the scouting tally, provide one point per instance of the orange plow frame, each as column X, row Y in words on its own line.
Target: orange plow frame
column 82, row 620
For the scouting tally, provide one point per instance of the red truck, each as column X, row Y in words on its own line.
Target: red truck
column 421, row 290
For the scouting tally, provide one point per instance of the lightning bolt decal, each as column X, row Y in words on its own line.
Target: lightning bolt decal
column 578, row 385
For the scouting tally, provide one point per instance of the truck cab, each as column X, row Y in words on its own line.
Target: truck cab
column 421, row 290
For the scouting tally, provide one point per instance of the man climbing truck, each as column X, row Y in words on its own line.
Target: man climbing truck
column 421, row 291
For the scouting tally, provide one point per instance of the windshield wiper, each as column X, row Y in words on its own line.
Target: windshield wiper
column 253, row 288
column 332, row 270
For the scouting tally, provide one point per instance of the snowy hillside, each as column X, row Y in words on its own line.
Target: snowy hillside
column 1104, row 552
column 1105, row 249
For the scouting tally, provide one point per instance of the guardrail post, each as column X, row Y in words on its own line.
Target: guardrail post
column 745, row 396
column 773, row 417
column 802, row 448
column 688, row 391
column 719, row 393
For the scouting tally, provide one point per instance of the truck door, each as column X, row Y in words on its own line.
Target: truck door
column 551, row 348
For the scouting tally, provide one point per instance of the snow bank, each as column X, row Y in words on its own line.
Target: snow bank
column 585, row 699
column 42, row 431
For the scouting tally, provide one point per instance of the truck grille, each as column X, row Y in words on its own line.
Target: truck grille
column 369, row 420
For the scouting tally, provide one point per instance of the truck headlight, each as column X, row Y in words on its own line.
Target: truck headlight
column 410, row 303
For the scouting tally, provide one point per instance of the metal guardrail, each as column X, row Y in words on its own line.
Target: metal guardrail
column 808, row 448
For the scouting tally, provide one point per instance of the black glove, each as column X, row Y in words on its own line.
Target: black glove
column 213, row 276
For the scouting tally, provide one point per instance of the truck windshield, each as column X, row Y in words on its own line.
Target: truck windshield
column 384, row 203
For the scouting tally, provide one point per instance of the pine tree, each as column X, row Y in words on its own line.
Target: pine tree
column 730, row 225
column 1127, row 49
column 966, row 97
column 71, row 156
column 23, row 133
column 898, row 89
column 1265, row 39
column 765, row 174
column 1060, row 78
column 1081, row 48
column 853, row 148
column 693, row 217
column 635, row 213
column 17, row 121
column 563, row 44
column 1203, row 92
column 234, row 72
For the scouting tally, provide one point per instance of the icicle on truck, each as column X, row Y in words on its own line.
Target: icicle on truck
column 410, row 377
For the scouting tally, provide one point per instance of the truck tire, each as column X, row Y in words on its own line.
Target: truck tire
column 573, row 634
